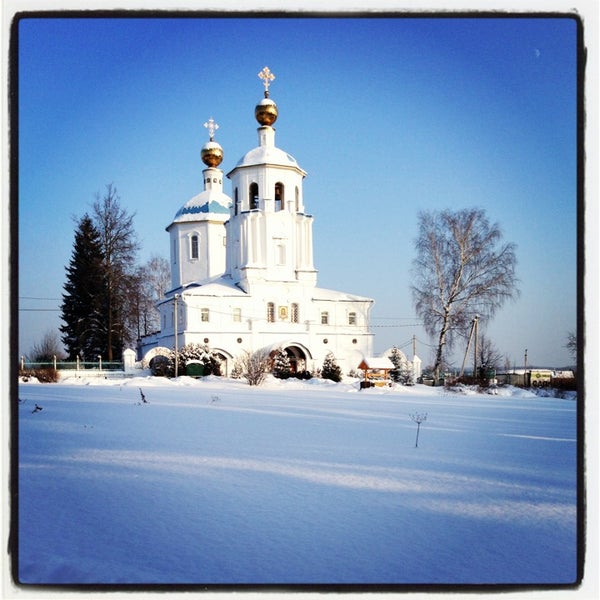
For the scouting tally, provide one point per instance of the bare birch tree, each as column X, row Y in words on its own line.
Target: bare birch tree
column 151, row 280
column 462, row 270
column 120, row 246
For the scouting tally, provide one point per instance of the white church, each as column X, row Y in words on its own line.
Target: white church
column 242, row 271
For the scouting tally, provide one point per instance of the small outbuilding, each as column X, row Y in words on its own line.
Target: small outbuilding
column 376, row 371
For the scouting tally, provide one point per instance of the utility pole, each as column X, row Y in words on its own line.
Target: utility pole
column 525, row 368
column 475, row 321
column 462, row 369
column 175, row 315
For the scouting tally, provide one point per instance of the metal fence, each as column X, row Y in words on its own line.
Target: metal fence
column 77, row 365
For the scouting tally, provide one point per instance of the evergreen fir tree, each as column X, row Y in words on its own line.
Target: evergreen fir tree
column 282, row 368
column 402, row 371
column 84, row 292
column 331, row 370
column 396, row 359
column 212, row 365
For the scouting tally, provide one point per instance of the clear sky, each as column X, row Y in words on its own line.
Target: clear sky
column 388, row 116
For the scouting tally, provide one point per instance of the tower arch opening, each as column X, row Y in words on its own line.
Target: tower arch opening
column 279, row 196
column 253, row 196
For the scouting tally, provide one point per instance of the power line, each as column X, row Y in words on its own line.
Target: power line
column 37, row 298
column 399, row 325
column 397, row 318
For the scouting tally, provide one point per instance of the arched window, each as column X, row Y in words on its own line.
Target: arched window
column 194, row 247
column 279, row 196
column 270, row 312
column 235, row 202
column 324, row 318
column 295, row 316
column 297, row 199
column 352, row 318
column 253, row 196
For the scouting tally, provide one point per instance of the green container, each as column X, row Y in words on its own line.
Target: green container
column 195, row 369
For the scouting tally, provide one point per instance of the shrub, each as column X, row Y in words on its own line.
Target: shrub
column 238, row 371
column 331, row 369
column 303, row 375
column 45, row 375
column 254, row 366
column 281, row 365
column 201, row 353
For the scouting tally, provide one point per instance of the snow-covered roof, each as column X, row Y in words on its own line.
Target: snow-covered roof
column 377, row 362
column 267, row 155
column 205, row 205
column 217, row 287
column 335, row 296
column 223, row 286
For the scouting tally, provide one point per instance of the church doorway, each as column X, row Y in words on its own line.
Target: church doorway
column 297, row 358
column 223, row 363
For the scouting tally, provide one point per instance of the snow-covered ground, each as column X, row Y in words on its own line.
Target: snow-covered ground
column 213, row 481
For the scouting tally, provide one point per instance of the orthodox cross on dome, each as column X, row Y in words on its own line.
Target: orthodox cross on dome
column 266, row 77
column 212, row 126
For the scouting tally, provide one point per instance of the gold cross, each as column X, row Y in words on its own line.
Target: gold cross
column 266, row 77
column 212, row 126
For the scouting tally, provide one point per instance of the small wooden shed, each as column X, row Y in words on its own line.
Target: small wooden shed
column 377, row 371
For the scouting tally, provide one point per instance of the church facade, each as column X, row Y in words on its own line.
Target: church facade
column 242, row 269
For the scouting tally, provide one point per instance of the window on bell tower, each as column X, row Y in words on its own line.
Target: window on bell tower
column 194, row 247
column 253, row 196
column 279, row 196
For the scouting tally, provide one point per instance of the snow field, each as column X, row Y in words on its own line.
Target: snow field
column 213, row 481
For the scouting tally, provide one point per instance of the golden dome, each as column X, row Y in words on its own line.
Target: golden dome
column 211, row 154
column 266, row 112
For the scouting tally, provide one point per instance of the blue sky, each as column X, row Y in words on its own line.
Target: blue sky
column 388, row 116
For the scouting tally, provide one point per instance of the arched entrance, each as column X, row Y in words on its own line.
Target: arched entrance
column 154, row 352
column 297, row 358
column 225, row 360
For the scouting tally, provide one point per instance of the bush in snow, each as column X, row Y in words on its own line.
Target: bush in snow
column 237, row 371
column 282, row 368
column 303, row 375
column 331, row 369
column 45, row 375
column 201, row 353
column 255, row 366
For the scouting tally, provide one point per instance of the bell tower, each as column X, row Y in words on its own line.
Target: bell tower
column 197, row 232
column 269, row 234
